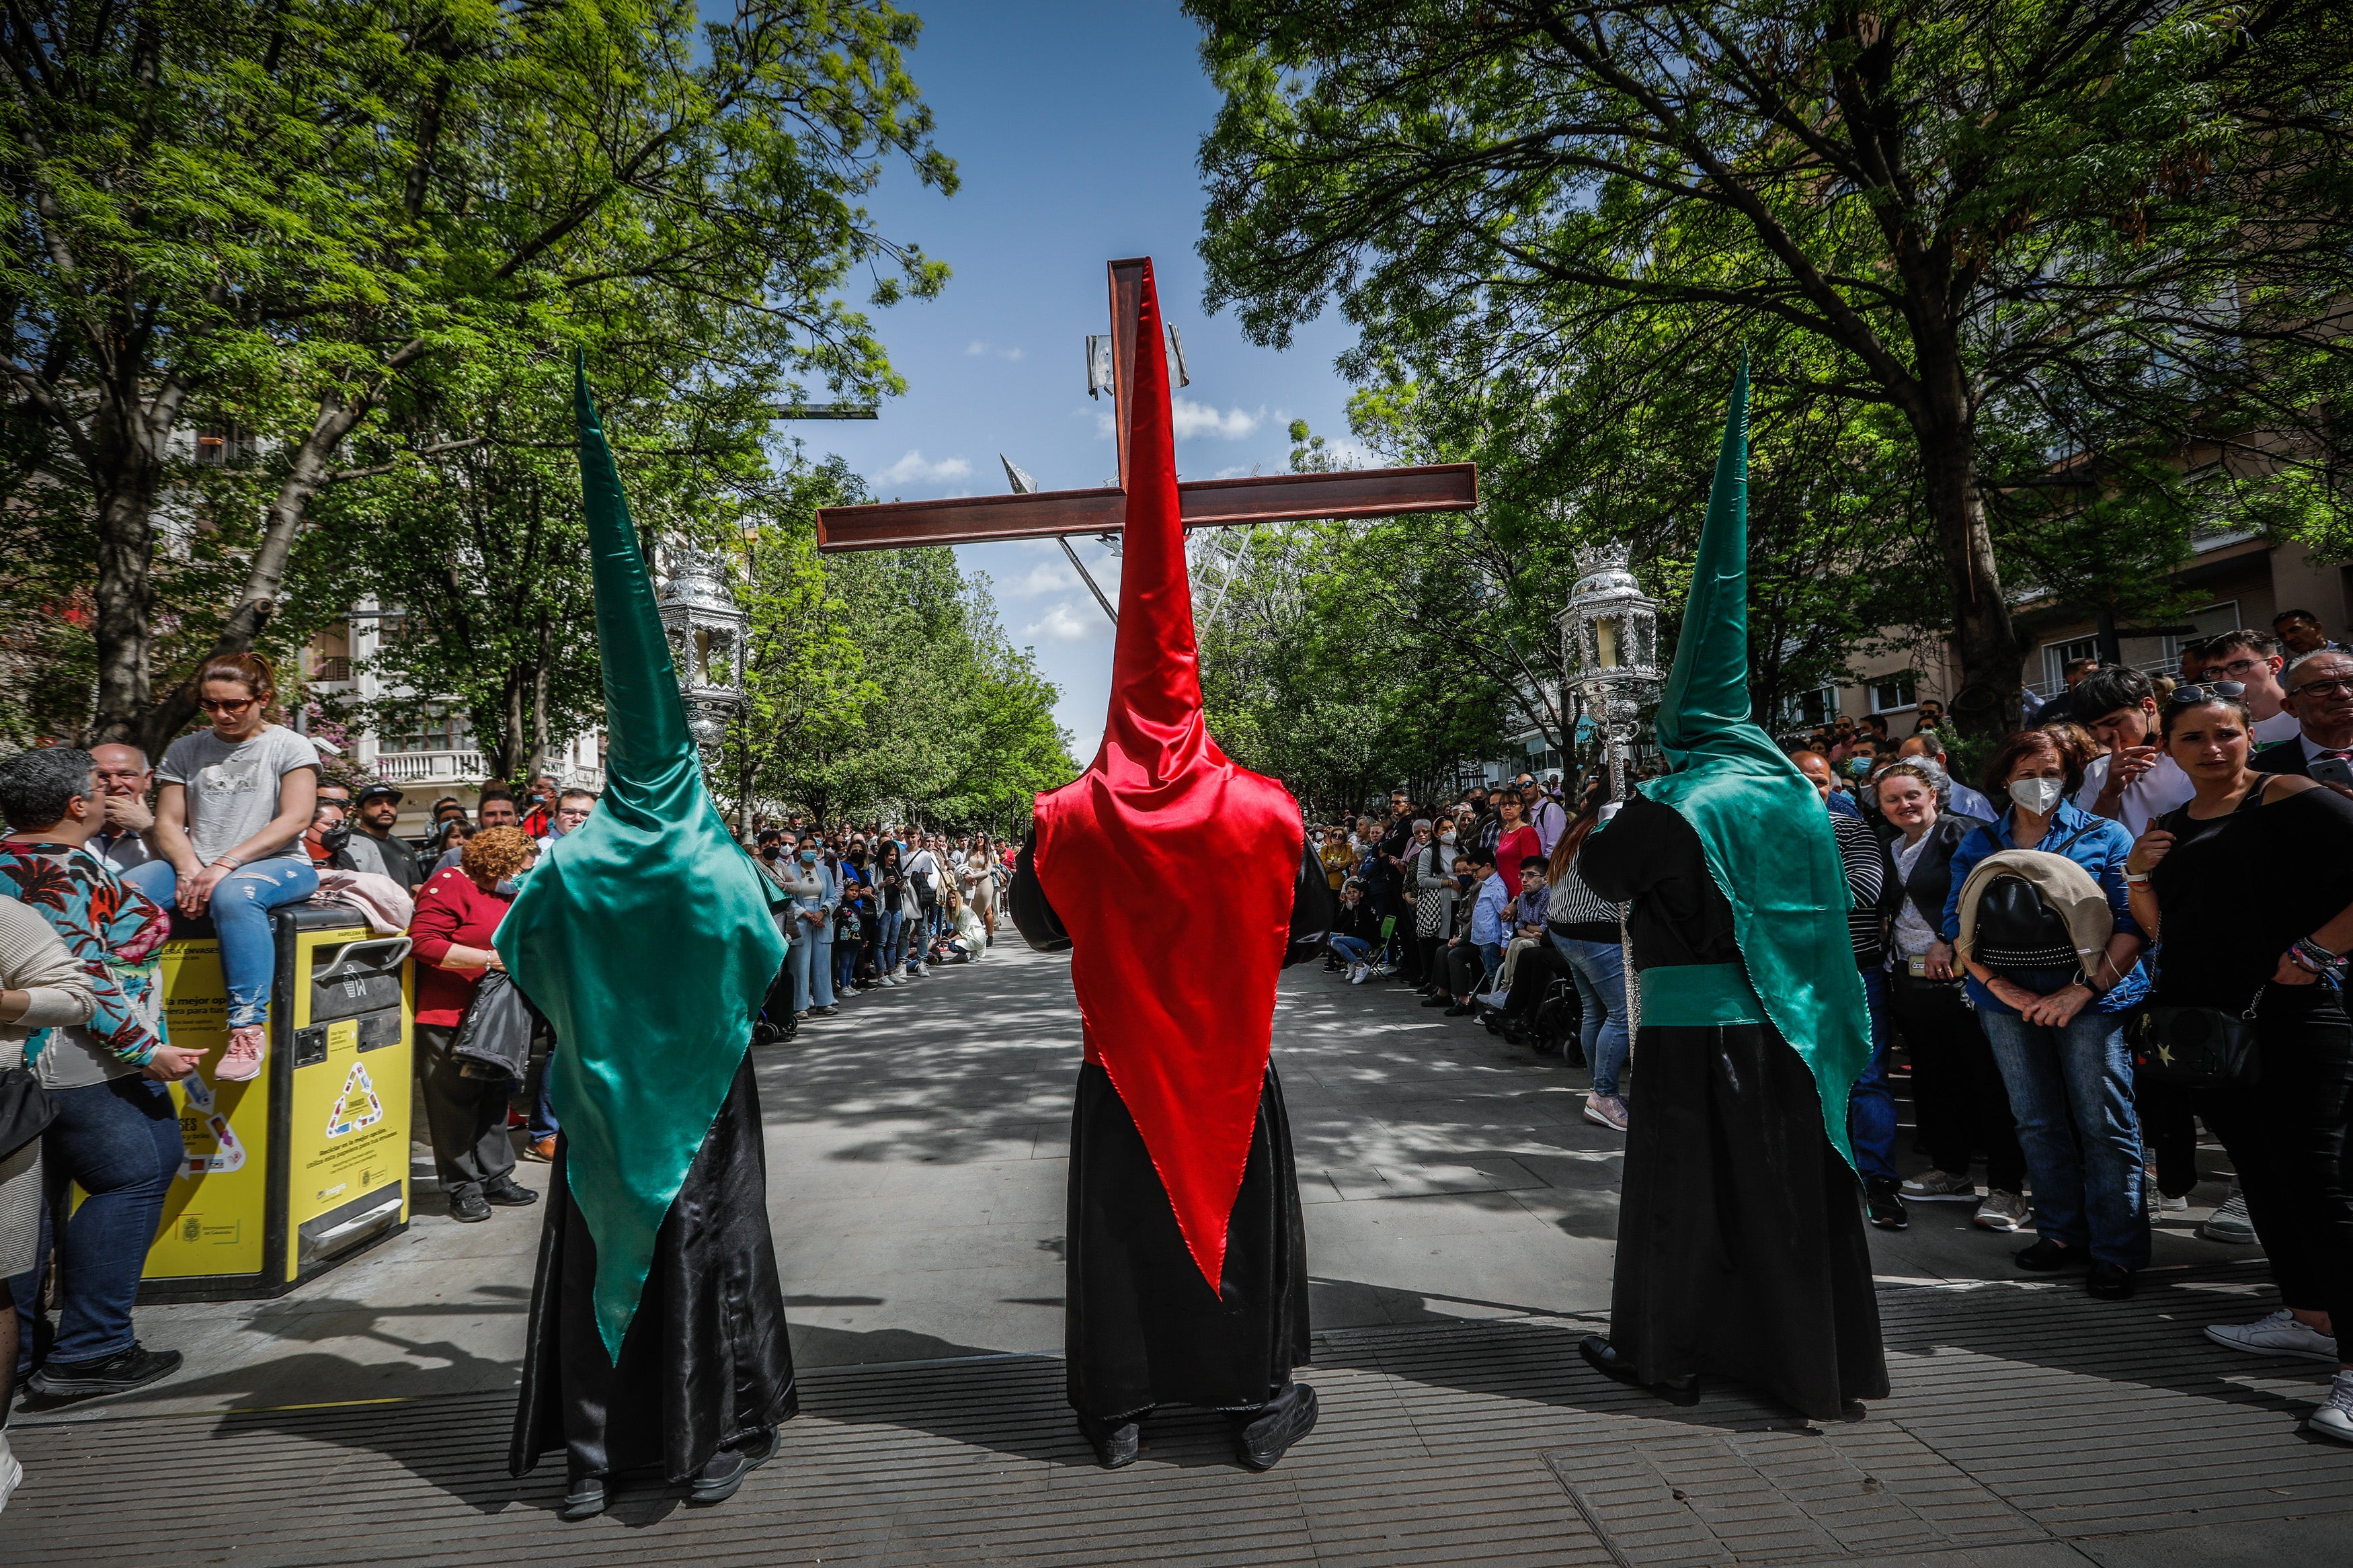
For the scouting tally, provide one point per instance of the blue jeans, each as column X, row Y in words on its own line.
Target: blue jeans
column 844, row 964
column 1599, row 970
column 1355, row 949
column 890, row 947
column 120, row 1142
column 2071, row 1092
column 543, row 1123
column 241, row 910
column 1870, row 1107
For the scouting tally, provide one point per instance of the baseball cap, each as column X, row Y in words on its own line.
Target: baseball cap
column 370, row 792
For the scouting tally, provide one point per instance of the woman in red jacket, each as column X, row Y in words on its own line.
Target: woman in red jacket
column 457, row 910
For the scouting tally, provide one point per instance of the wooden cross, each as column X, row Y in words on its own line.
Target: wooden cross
column 1204, row 503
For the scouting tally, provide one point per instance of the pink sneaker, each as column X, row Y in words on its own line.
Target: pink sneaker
column 249, row 1047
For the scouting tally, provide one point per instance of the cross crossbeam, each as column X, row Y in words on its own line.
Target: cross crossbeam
column 1204, row 503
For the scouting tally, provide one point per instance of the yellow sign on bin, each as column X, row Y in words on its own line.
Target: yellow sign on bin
column 215, row 1215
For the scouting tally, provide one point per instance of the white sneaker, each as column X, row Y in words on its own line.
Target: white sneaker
column 2334, row 1417
column 11, row 1471
column 2229, row 1224
column 1383, row 970
column 2160, row 1204
column 2002, row 1211
column 2279, row 1334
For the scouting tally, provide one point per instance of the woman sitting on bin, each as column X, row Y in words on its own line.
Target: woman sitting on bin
column 231, row 806
column 458, row 908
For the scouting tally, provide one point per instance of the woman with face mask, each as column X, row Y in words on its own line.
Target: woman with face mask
column 2058, row 1033
column 1430, row 871
column 815, row 891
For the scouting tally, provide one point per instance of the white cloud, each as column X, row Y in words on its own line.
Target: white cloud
column 914, row 468
column 1068, row 620
column 975, row 347
column 983, row 346
column 1203, row 419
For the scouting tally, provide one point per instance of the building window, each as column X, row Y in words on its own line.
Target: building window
column 1808, row 709
column 2058, row 656
column 223, row 445
column 2213, row 618
column 1890, row 693
column 431, row 726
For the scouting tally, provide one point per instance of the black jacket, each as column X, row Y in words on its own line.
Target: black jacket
column 1932, row 874
column 2286, row 757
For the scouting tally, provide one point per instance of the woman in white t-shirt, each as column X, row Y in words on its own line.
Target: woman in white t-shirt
column 231, row 807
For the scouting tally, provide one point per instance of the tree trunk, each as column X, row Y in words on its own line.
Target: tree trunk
column 127, row 445
column 540, row 676
column 1984, row 702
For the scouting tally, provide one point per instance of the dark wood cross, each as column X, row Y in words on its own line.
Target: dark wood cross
column 1205, row 503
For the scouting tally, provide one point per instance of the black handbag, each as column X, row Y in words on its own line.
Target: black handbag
column 2199, row 1047
column 26, row 1110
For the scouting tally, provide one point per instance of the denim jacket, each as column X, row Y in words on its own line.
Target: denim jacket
column 2101, row 852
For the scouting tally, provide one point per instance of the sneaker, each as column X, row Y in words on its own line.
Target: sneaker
column 827, row 1011
column 2167, row 1202
column 117, row 1373
column 509, row 1195
column 469, row 1208
column 1882, row 1202
column 1940, row 1187
column 1356, row 972
column 2002, row 1211
column 1606, row 1111
column 2229, row 1224
column 2048, row 1257
column 2279, row 1334
column 1383, row 970
column 2334, row 1417
column 11, row 1472
column 249, row 1047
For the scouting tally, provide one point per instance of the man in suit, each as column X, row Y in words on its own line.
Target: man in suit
column 2320, row 694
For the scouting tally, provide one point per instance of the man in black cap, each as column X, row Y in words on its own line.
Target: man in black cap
column 377, row 807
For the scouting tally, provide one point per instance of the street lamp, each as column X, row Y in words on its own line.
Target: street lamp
column 1609, row 634
column 705, row 628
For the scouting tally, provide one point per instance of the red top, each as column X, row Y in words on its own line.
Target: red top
column 450, row 910
column 1164, row 847
column 1511, row 849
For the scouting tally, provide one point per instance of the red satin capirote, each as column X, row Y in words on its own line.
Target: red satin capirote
column 1172, row 869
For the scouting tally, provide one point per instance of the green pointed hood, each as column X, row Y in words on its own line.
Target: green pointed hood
column 643, row 934
column 1768, row 840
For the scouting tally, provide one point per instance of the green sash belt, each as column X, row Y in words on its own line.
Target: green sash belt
column 1698, row 996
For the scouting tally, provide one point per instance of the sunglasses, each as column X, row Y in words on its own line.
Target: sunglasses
column 2213, row 691
column 225, row 704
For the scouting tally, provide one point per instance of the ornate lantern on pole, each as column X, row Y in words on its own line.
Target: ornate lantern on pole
column 1610, row 637
column 706, row 631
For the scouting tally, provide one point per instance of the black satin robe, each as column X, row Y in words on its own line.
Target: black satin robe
column 706, row 1363
column 1741, row 1248
column 1142, row 1328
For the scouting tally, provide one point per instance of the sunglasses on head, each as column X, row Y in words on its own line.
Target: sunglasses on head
column 2213, row 691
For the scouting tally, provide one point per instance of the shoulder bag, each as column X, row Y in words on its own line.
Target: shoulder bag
column 25, row 1108
column 2199, row 1047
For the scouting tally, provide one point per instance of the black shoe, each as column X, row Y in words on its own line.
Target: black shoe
column 2047, row 1257
column 1115, row 1444
column 1459, row 1010
column 585, row 1499
column 1438, row 999
column 117, row 1373
column 509, row 1195
column 469, row 1208
column 1262, row 1441
column 724, row 1471
column 2109, row 1281
column 1604, row 1358
column 1883, row 1201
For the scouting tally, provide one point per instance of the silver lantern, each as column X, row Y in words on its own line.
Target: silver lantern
column 1610, row 644
column 706, row 630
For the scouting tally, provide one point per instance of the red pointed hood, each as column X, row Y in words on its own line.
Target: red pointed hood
column 1172, row 869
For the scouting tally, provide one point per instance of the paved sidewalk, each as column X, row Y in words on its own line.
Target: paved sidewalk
column 1459, row 1230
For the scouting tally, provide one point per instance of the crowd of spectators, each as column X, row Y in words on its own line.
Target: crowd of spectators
column 107, row 853
column 2148, row 847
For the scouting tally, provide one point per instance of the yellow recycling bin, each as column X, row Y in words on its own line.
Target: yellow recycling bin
column 307, row 1164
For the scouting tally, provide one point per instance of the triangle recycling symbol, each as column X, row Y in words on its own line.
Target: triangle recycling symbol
column 357, row 1106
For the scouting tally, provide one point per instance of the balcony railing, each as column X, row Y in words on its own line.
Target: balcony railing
column 423, row 767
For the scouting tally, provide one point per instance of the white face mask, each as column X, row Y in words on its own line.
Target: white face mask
column 2037, row 795
column 1446, row 838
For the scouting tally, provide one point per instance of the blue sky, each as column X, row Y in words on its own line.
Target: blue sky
column 1075, row 128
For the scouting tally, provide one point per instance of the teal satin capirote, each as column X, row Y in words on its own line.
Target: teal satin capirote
column 1768, row 840
column 643, row 934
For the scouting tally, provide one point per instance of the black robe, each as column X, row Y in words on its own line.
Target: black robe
column 1142, row 1328
column 706, row 1363
column 1741, row 1248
